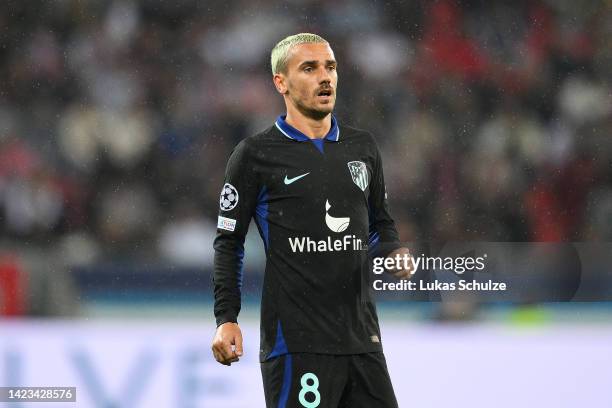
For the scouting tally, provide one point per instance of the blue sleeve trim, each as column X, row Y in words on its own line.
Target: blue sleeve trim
column 373, row 241
column 374, row 236
column 280, row 346
column 240, row 256
column 261, row 216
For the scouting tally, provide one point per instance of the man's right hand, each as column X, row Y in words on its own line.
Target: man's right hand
column 227, row 343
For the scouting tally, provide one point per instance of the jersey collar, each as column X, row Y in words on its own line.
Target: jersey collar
column 292, row 133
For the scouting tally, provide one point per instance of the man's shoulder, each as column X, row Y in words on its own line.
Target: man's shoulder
column 259, row 138
column 352, row 133
column 255, row 141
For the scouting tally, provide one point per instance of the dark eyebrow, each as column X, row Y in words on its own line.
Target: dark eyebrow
column 315, row 62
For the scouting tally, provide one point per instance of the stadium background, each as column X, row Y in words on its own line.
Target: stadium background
column 117, row 117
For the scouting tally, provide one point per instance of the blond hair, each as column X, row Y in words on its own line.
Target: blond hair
column 280, row 52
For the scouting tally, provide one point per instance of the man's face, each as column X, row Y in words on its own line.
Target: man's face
column 311, row 79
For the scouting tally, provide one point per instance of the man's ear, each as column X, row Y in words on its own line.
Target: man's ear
column 279, row 83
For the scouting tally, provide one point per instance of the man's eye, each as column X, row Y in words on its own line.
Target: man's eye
column 307, row 69
column 332, row 67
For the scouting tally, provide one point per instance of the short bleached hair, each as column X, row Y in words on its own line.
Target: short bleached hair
column 280, row 52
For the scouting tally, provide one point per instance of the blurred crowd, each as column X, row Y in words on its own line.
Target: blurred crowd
column 117, row 117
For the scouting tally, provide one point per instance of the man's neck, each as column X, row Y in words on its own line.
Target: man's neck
column 313, row 128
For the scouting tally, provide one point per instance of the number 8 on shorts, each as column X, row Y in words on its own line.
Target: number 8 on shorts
column 307, row 388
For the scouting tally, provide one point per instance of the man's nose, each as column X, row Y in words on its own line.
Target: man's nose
column 324, row 76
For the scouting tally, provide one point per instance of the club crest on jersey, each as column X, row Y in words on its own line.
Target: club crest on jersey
column 229, row 197
column 359, row 173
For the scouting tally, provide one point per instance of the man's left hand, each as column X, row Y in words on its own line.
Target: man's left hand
column 405, row 272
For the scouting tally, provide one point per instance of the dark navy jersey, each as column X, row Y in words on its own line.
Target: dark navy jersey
column 320, row 207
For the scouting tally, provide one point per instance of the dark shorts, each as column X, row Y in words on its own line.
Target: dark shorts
column 304, row 380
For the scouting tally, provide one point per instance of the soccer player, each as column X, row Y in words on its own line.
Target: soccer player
column 317, row 192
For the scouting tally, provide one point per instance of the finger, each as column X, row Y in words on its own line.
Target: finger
column 218, row 353
column 224, row 361
column 215, row 352
column 238, row 344
column 228, row 361
column 218, row 350
column 218, row 357
column 223, row 353
column 402, row 274
column 226, row 350
column 233, row 360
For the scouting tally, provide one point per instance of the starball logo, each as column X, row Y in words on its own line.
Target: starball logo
column 347, row 242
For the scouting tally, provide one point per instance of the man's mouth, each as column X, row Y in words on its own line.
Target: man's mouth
column 324, row 95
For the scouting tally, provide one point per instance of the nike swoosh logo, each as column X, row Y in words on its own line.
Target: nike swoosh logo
column 292, row 180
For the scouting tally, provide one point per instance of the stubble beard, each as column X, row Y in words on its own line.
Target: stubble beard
column 311, row 112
